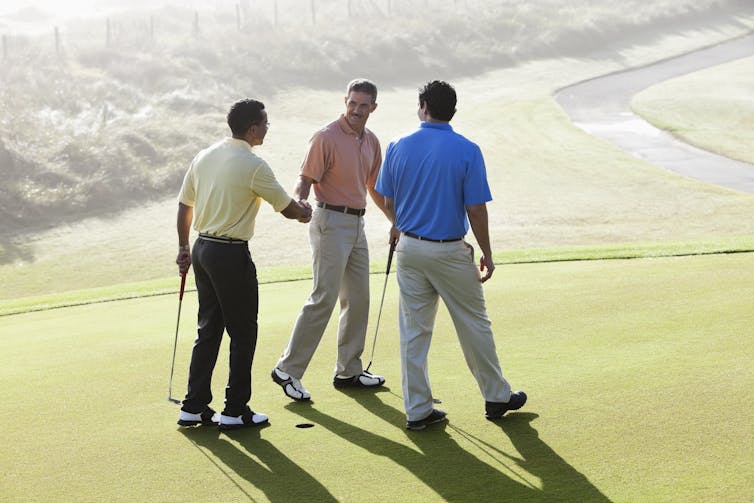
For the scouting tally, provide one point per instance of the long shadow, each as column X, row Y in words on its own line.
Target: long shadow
column 560, row 481
column 274, row 474
column 454, row 473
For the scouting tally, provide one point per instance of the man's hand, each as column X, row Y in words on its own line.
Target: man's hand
column 394, row 235
column 183, row 260
column 307, row 209
column 486, row 263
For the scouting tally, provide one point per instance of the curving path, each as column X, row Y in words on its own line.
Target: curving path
column 602, row 107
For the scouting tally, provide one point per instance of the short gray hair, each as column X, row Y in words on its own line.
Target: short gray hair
column 362, row 86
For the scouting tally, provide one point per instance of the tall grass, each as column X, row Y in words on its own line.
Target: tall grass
column 99, row 127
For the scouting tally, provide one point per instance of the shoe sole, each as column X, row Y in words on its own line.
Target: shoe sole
column 423, row 426
column 227, row 427
column 195, row 423
column 348, row 383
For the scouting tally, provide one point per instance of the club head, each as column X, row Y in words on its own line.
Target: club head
column 174, row 400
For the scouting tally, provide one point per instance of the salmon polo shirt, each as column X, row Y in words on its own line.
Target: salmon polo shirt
column 226, row 183
column 340, row 162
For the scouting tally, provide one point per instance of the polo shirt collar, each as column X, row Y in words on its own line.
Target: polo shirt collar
column 238, row 143
column 436, row 125
column 346, row 127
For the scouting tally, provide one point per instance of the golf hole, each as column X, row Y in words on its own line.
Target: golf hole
column 305, row 425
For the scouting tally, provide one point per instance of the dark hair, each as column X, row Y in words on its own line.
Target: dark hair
column 362, row 86
column 244, row 114
column 440, row 98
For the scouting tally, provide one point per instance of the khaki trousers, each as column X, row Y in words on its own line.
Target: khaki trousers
column 426, row 272
column 340, row 268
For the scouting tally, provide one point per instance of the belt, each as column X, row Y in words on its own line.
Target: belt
column 221, row 239
column 341, row 209
column 420, row 238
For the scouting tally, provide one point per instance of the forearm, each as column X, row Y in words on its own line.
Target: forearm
column 379, row 200
column 183, row 224
column 480, row 227
column 303, row 187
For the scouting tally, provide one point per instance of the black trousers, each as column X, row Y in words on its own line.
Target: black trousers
column 226, row 283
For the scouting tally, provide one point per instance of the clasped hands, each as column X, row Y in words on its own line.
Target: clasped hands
column 306, row 209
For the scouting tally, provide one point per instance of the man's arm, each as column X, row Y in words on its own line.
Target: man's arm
column 379, row 199
column 303, row 186
column 183, row 225
column 479, row 225
column 389, row 211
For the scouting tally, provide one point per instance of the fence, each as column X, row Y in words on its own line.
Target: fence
column 129, row 29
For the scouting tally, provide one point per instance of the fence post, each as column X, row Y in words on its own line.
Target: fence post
column 238, row 16
column 5, row 47
column 196, row 24
column 314, row 12
column 108, row 39
column 276, row 13
column 151, row 28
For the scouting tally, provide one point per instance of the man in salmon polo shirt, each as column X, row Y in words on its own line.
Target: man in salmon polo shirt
column 341, row 166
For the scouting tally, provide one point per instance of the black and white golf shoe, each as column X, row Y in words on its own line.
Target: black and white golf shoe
column 247, row 419
column 292, row 387
column 363, row 380
column 208, row 417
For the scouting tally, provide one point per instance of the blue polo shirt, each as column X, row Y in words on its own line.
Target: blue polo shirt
column 432, row 173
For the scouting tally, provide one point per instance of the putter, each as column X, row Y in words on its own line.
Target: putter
column 379, row 313
column 175, row 342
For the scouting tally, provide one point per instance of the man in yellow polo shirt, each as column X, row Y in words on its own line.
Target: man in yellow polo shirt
column 341, row 164
column 221, row 193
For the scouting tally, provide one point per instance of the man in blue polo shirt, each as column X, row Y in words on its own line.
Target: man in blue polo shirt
column 435, row 184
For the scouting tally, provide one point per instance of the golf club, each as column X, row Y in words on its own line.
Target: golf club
column 379, row 313
column 175, row 342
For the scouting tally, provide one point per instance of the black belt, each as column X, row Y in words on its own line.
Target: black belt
column 221, row 239
column 341, row 209
column 421, row 238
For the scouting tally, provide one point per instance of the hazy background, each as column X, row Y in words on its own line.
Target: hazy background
column 103, row 106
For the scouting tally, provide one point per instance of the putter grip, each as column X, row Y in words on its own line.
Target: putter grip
column 183, row 284
column 390, row 257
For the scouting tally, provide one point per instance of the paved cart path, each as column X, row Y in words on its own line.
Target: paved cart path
column 601, row 106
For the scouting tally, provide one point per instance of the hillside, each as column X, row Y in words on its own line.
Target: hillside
column 110, row 116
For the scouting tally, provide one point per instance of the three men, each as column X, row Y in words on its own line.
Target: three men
column 432, row 185
column 432, row 180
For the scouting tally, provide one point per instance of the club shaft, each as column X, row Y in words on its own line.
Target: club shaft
column 175, row 341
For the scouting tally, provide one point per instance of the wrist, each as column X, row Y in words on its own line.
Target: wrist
column 183, row 248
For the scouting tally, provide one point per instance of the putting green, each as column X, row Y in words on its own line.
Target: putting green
column 638, row 372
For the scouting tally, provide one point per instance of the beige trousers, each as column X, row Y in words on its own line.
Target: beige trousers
column 340, row 267
column 426, row 272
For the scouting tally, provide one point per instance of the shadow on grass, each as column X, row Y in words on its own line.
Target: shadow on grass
column 457, row 475
column 274, row 474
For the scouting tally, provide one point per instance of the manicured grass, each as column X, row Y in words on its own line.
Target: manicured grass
column 712, row 108
column 638, row 373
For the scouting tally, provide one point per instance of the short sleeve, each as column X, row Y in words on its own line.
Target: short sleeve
column 315, row 160
column 476, row 189
column 187, row 194
column 384, row 183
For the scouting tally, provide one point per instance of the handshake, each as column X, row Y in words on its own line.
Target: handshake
column 305, row 210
